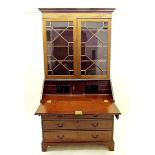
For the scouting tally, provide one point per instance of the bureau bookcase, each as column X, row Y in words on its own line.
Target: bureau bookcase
column 77, row 105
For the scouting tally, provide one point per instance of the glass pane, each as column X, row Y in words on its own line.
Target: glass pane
column 102, row 35
column 48, row 35
column 49, row 51
column 50, row 72
column 83, row 50
column 86, row 35
column 94, row 70
column 94, row 49
column 48, row 24
column 59, row 36
column 70, row 50
column 85, row 65
column 94, row 25
column 93, row 42
column 68, row 65
column 84, row 57
column 105, row 23
column 60, row 31
column 71, row 72
column 69, row 58
column 59, row 42
column 83, row 24
column 70, row 45
column 83, row 72
column 60, row 70
column 54, row 35
column 101, row 65
column 57, row 25
column 96, row 53
column 57, row 50
column 51, row 35
column 51, row 58
column 70, row 24
column 68, row 34
column 52, row 64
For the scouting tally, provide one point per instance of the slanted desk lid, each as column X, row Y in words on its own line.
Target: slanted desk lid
column 68, row 104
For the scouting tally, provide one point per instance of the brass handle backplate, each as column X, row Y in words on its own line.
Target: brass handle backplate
column 78, row 113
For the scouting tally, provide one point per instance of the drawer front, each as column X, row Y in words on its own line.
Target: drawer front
column 77, row 136
column 95, row 124
column 67, row 116
column 78, row 124
column 59, row 124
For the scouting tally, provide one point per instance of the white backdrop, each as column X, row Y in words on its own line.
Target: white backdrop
column 132, row 74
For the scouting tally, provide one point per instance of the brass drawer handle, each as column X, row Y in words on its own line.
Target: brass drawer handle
column 60, row 125
column 59, row 115
column 60, row 137
column 94, row 124
column 95, row 115
column 95, row 136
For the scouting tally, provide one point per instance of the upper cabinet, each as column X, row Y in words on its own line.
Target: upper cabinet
column 77, row 43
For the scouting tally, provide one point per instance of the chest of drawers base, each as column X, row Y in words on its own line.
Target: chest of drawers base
column 77, row 130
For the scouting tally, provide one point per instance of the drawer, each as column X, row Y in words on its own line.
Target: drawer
column 95, row 124
column 67, row 116
column 78, row 124
column 77, row 136
column 47, row 124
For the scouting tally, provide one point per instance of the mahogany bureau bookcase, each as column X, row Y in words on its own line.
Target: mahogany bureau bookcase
column 77, row 104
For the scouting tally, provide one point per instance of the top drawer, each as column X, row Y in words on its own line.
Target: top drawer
column 61, row 116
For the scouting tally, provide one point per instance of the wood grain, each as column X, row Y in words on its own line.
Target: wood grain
column 91, row 95
column 75, row 136
column 68, row 104
column 76, row 10
column 78, row 124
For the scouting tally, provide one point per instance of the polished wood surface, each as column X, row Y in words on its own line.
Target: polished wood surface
column 68, row 104
column 72, row 136
column 72, row 116
column 82, row 124
column 75, row 107
column 76, row 10
column 109, row 144
column 78, row 87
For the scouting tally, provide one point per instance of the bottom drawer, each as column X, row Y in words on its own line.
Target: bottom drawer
column 75, row 136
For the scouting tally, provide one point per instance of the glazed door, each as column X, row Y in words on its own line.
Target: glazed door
column 59, row 47
column 94, row 47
